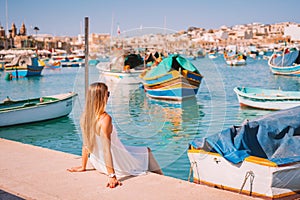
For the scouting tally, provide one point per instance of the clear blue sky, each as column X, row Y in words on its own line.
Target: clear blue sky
column 65, row 17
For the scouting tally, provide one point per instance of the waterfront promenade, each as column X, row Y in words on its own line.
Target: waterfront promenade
column 32, row 172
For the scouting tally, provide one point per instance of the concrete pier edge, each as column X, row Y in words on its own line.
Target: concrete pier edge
column 32, row 172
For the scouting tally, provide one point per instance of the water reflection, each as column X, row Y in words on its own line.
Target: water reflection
column 178, row 116
column 250, row 114
column 55, row 134
column 281, row 82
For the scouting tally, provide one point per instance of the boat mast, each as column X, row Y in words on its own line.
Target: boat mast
column 282, row 60
column 111, row 32
column 165, row 25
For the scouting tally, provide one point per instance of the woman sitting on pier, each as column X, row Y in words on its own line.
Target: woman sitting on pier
column 102, row 146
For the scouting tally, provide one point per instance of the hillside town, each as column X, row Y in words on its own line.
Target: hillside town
column 257, row 34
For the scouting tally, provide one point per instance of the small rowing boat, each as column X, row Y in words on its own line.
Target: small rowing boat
column 266, row 98
column 35, row 109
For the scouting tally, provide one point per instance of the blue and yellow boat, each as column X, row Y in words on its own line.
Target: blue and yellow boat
column 174, row 78
column 23, row 66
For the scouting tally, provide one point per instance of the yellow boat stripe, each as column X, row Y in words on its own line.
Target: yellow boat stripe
column 252, row 159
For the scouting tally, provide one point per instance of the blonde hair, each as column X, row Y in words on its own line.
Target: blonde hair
column 95, row 104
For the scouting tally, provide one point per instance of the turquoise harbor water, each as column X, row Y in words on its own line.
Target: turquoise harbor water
column 165, row 127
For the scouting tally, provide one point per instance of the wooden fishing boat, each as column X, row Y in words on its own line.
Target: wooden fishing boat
column 123, row 69
column 266, row 98
column 24, row 66
column 36, row 109
column 174, row 78
column 259, row 158
column 285, row 62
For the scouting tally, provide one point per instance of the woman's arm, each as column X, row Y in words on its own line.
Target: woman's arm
column 106, row 130
column 84, row 157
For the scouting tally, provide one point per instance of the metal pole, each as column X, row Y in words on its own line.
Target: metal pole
column 6, row 16
column 86, row 42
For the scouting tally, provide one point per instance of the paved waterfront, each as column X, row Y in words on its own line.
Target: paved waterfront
column 32, row 172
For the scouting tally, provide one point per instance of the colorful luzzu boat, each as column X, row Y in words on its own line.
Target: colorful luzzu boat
column 24, row 66
column 175, row 78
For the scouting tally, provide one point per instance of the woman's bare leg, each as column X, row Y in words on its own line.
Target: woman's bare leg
column 153, row 165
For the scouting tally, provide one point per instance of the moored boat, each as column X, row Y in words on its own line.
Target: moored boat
column 233, row 57
column 174, row 78
column 124, row 69
column 267, row 98
column 212, row 54
column 235, row 60
column 259, row 158
column 285, row 62
column 35, row 109
column 52, row 64
column 24, row 66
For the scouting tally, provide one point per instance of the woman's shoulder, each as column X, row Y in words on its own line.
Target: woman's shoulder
column 105, row 124
column 105, row 118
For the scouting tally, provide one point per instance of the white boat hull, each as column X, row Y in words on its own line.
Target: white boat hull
column 122, row 77
column 265, row 179
column 39, row 112
column 268, row 105
column 236, row 62
column 267, row 99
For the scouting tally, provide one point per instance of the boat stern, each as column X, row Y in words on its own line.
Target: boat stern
column 254, row 176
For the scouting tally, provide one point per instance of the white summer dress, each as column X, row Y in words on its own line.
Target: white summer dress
column 127, row 160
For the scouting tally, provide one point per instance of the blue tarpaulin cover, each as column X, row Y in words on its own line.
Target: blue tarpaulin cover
column 286, row 59
column 275, row 137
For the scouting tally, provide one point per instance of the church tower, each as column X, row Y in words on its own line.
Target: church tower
column 13, row 30
column 23, row 29
column 2, row 32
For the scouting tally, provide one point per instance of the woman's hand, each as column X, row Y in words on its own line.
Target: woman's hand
column 77, row 169
column 113, row 182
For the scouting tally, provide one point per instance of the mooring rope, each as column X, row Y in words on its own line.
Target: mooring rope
column 251, row 175
column 191, row 170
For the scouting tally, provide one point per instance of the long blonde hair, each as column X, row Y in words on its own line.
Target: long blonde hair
column 95, row 105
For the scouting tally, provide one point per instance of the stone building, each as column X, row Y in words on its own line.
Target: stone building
column 293, row 30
